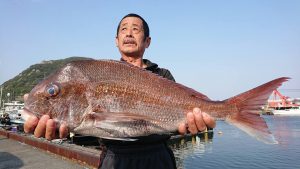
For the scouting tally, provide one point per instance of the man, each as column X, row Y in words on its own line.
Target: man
column 148, row 152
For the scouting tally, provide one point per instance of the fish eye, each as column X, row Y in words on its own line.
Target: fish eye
column 52, row 90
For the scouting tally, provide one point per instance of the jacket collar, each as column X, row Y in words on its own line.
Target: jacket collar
column 148, row 63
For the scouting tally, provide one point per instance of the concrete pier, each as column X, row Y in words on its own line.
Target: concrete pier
column 18, row 150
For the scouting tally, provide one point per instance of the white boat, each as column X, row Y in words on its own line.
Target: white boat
column 287, row 111
column 14, row 109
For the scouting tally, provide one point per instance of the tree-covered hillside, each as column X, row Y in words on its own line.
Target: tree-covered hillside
column 27, row 79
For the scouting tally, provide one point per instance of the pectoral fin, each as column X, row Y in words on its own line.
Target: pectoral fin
column 112, row 125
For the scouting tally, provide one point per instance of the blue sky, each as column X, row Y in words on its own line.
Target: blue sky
column 220, row 48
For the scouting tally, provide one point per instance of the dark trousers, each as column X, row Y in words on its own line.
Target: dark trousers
column 154, row 156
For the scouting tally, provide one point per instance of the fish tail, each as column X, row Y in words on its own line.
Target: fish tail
column 248, row 106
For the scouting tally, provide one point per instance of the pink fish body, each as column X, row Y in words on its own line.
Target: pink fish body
column 112, row 99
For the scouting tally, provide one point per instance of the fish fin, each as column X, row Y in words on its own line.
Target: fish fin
column 110, row 121
column 120, row 139
column 113, row 125
column 249, row 104
column 98, row 132
column 193, row 92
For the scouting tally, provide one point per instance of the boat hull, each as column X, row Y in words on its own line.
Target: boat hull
column 287, row 112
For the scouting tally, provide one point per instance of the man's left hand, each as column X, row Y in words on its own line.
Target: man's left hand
column 197, row 121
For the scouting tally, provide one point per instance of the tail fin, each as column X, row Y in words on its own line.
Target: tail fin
column 248, row 104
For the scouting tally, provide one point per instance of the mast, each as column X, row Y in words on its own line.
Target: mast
column 1, row 97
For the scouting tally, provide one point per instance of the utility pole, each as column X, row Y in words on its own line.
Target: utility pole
column 1, row 97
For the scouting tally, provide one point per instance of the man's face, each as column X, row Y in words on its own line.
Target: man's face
column 130, row 39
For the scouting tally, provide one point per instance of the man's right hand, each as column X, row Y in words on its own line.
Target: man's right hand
column 43, row 127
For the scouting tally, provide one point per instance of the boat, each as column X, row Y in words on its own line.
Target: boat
column 283, row 105
column 287, row 111
column 13, row 109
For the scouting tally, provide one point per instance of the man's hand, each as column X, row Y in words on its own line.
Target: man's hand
column 43, row 127
column 196, row 121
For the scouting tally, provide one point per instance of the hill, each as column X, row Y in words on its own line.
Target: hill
column 27, row 79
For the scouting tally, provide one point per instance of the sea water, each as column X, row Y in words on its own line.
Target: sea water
column 229, row 147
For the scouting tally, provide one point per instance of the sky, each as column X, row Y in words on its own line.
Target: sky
column 219, row 48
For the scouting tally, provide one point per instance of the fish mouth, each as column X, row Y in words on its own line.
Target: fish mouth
column 26, row 113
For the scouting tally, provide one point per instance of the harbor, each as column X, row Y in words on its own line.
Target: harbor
column 228, row 148
column 278, row 104
column 93, row 72
column 233, row 149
